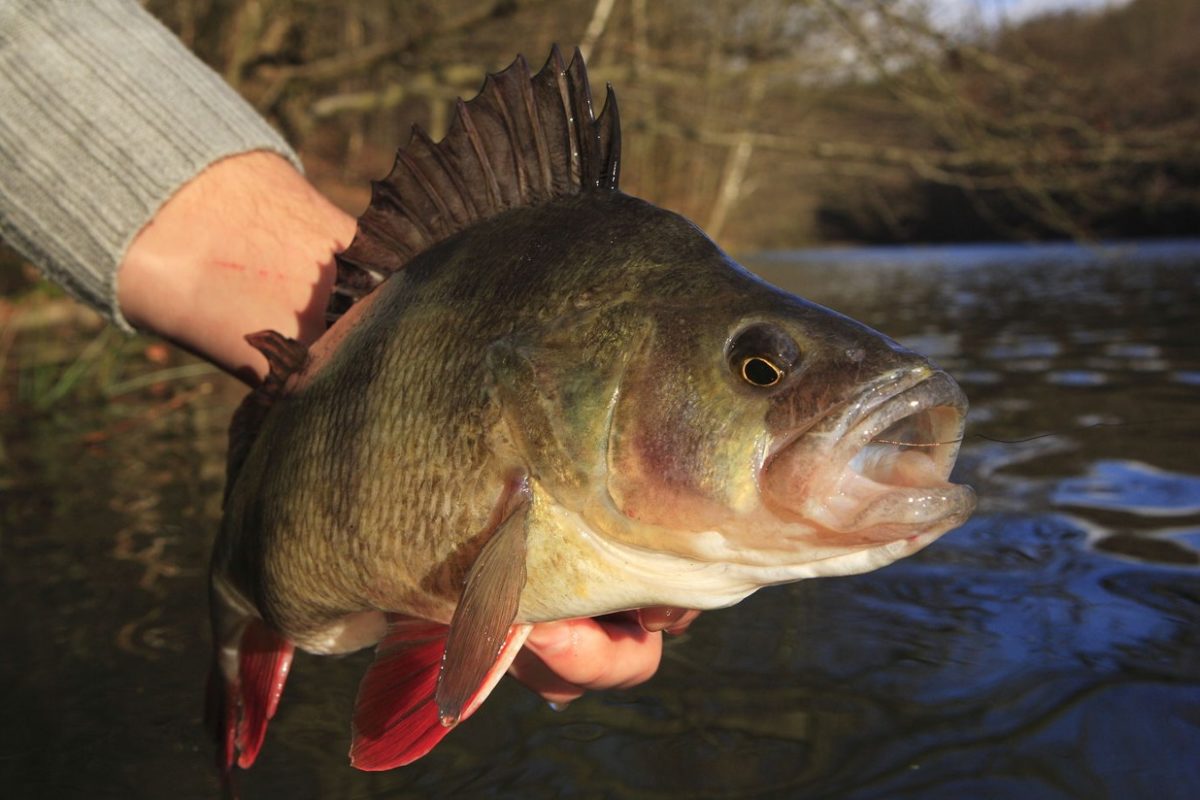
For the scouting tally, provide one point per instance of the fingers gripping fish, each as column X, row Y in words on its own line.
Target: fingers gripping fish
column 542, row 399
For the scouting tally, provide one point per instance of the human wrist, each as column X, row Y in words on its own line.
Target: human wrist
column 247, row 245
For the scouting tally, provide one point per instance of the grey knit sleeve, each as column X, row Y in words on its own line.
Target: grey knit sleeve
column 104, row 114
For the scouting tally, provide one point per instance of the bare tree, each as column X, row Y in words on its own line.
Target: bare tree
column 758, row 118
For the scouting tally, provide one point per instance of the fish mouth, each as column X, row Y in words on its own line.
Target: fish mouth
column 876, row 471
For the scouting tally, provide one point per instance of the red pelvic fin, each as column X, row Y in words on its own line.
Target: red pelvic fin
column 263, row 663
column 396, row 718
column 239, row 708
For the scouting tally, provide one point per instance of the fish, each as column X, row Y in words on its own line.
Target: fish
column 540, row 398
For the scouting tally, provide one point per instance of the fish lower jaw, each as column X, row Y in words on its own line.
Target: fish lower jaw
column 604, row 575
column 692, row 583
column 859, row 510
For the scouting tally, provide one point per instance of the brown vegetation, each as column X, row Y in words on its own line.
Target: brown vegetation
column 1070, row 125
column 769, row 122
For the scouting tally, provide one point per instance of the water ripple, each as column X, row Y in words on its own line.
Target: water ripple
column 1186, row 377
column 1133, row 487
column 1076, row 377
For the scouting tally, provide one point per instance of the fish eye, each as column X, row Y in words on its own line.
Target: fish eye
column 760, row 371
column 762, row 355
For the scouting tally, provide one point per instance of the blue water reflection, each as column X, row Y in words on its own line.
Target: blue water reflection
column 1050, row 648
column 1132, row 487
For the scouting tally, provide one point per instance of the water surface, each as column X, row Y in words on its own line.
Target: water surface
column 1050, row 648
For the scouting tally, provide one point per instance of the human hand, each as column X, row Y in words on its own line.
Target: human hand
column 561, row 660
column 247, row 245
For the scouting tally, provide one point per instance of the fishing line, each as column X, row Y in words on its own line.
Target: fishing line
column 1091, row 426
column 1059, row 432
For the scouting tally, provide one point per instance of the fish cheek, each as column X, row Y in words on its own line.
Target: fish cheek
column 684, row 449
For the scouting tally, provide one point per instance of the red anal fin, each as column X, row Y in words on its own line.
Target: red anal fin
column 263, row 663
column 396, row 719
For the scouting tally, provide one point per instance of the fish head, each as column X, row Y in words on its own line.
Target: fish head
column 750, row 426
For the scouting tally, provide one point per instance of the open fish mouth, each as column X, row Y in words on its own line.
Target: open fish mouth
column 877, row 471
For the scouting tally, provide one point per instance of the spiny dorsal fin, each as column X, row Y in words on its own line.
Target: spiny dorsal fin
column 285, row 357
column 523, row 140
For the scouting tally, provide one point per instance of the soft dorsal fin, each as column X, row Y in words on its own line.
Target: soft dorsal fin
column 285, row 357
column 523, row 140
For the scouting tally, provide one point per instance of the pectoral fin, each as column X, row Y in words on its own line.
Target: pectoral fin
column 484, row 615
column 427, row 676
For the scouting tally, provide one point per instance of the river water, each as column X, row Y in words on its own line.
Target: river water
column 1050, row 648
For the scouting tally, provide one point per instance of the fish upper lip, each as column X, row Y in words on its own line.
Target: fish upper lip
column 845, row 416
column 938, row 390
column 844, row 477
